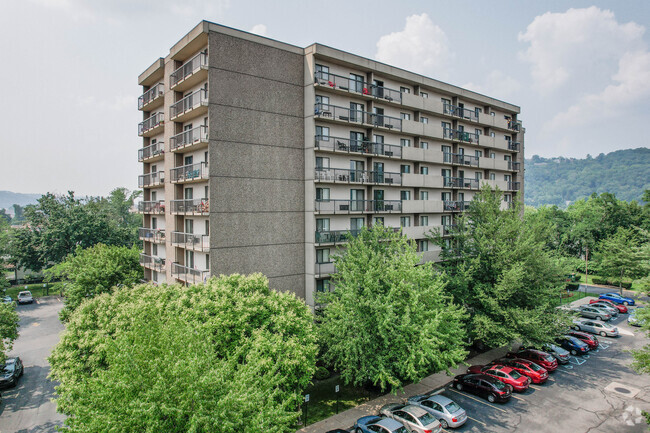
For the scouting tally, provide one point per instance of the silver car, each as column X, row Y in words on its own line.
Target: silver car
column 414, row 418
column 25, row 297
column 593, row 313
column 604, row 306
column 447, row 411
column 595, row 327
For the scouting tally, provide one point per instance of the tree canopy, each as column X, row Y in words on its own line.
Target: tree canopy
column 8, row 328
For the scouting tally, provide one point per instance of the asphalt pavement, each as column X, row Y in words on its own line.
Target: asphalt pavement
column 28, row 408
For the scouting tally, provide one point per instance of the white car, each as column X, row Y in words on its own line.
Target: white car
column 447, row 411
column 603, row 306
column 25, row 297
column 595, row 327
column 414, row 418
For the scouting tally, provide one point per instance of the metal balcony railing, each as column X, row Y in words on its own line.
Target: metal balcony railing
column 460, row 182
column 152, row 262
column 156, row 207
column 328, row 111
column 514, row 125
column 191, row 241
column 456, row 206
column 190, row 206
column 189, row 275
column 335, row 236
column 514, row 166
column 361, row 206
column 513, row 186
column 151, row 235
column 154, row 92
column 357, row 146
column 185, row 138
column 190, row 67
column 324, row 268
column 359, row 176
column 463, row 159
column 151, row 179
column 150, row 151
column 189, row 103
column 464, row 136
column 150, row 123
column 448, row 229
column 514, row 145
column 463, row 113
column 351, row 85
column 189, row 172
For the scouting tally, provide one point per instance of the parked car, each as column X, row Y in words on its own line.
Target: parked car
column 616, row 298
column 378, row 424
column 338, row 430
column 447, row 411
column 602, row 305
column 534, row 372
column 484, row 386
column 633, row 320
column 561, row 355
column 595, row 327
column 25, row 297
column 414, row 418
column 505, row 374
column 588, row 339
column 593, row 313
column 573, row 345
column 543, row 359
column 620, row 307
column 7, row 299
column 10, row 372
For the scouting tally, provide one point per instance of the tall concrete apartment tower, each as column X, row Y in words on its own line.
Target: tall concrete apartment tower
column 260, row 156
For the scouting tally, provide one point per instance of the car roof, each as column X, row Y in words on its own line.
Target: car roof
column 389, row 423
column 414, row 410
column 24, row 292
column 440, row 399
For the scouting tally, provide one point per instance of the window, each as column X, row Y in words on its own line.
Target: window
column 323, row 285
column 154, row 222
column 378, row 221
column 446, row 105
column 493, row 155
column 445, row 220
column 356, row 224
column 322, row 163
column 322, row 224
column 405, row 195
column 492, row 113
column 207, row 227
column 356, row 112
column 507, row 177
column 424, row 119
column 154, row 275
column 424, row 145
column 356, row 83
column 405, row 221
column 154, row 195
column 405, row 168
column 478, row 132
column 424, row 195
column 405, row 142
column 478, row 175
column 189, row 226
column 323, row 133
column 423, row 245
column 493, row 176
column 189, row 259
column 424, row 94
column 445, row 196
column 424, row 220
column 477, row 111
column 207, row 261
column 424, row 170
column 322, row 194
column 188, row 160
column 446, row 173
column 405, row 116
column 206, row 191
column 404, row 90
column 507, row 158
column 491, row 134
column 324, row 100
column 322, row 72
column 323, row 256
column 507, row 198
column 205, row 156
column 189, row 193
column 478, row 153
column 154, row 250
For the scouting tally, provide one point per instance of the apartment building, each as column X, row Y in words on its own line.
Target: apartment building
column 260, row 156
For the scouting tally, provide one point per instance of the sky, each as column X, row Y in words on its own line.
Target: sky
column 579, row 70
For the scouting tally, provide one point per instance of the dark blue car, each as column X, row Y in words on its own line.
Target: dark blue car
column 615, row 297
column 573, row 345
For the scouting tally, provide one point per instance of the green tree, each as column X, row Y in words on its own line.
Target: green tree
column 624, row 256
column 8, row 328
column 92, row 271
column 19, row 214
column 4, row 216
column 388, row 320
column 502, row 272
column 229, row 355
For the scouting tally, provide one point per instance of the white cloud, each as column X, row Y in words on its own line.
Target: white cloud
column 421, row 47
column 259, row 29
column 497, row 85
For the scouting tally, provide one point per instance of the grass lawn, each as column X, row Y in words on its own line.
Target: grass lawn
column 37, row 289
column 575, row 295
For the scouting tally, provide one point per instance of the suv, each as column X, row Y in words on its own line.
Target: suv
column 25, row 297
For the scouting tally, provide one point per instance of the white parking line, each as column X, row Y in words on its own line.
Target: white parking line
column 473, row 398
column 518, row 398
column 475, row 420
column 569, row 372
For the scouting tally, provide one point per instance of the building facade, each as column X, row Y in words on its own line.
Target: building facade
column 260, row 156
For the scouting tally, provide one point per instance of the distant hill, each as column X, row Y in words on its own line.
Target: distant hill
column 8, row 199
column 558, row 181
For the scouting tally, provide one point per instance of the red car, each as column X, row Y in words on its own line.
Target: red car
column 543, row 359
column 505, row 374
column 528, row 368
column 621, row 308
column 588, row 339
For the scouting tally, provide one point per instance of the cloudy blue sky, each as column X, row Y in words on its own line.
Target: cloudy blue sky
column 580, row 71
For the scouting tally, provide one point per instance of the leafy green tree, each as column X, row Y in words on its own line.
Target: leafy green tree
column 8, row 328
column 19, row 214
column 388, row 320
column 92, row 271
column 4, row 216
column 502, row 272
column 624, row 256
column 229, row 355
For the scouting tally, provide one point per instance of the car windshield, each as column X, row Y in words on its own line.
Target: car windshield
column 548, row 358
column 498, row 384
column 535, row 367
column 7, row 369
column 452, row 407
column 514, row 374
column 575, row 341
column 426, row 419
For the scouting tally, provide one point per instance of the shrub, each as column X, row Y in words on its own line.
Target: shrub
column 572, row 286
column 598, row 280
column 321, row 373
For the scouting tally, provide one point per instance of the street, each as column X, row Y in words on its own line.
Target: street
column 28, row 408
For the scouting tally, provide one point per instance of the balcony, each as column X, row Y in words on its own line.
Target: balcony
column 514, row 166
column 151, row 179
column 514, row 125
column 461, row 112
column 189, row 173
column 152, row 207
column 462, row 159
column 460, row 182
column 152, row 125
column 358, row 206
column 455, row 206
column 459, row 135
column 343, row 114
column 192, row 139
column 154, row 263
column 191, row 241
column 339, row 144
column 192, row 105
column 153, row 152
column 196, row 206
column 514, row 186
column 339, row 82
column 515, row 146
column 342, row 175
column 190, row 74
column 448, row 229
column 335, row 236
column 189, row 275
column 152, row 235
column 152, row 98
column 324, row 269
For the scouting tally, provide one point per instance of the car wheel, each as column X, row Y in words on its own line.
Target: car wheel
column 459, row 386
column 444, row 424
column 603, row 334
column 573, row 352
column 576, row 327
column 626, row 303
column 491, row 398
column 599, row 318
column 359, row 430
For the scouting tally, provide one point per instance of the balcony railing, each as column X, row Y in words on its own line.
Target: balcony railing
column 150, row 123
column 353, row 206
column 328, row 111
column 151, row 235
column 190, row 206
column 335, row 236
column 150, row 95
column 324, row 268
column 190, row 67
column 189, row 172
column 152, row 262
column 455, row 206
column 155, row 207
column 358, row 176
column 514, row 145
column 350, row 85
column 463, row 113
column 514, row 125
column 186, row 138
column 191, row 241
column 448, row 229
column 189, row 103
column 514, row 166
column 189, row 275
column 356, row 146
column 151, row 179
column 463, row 159
column 464, row 136
column 460, row 182
column 150, row 151
column 513, row 186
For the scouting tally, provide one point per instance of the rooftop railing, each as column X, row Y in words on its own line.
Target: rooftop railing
column 153, row 93
column 186, row 138
column 357, row 146
column 150, row 151
column 328, row 111
column 151, row 235
column 189, row 172
column 190, row 206
column 155, row 207
column 191, row 241
column 356, row 86
column 190, row 67
column 149, row 179
column 188, row 103
column 152, row 262
column 150, row 123
column 360, row 176
column 189, row 275
column 352, row 206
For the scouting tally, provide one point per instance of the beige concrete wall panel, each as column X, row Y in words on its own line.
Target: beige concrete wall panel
column 256, row 161
column 242, row 229
column 234, row 194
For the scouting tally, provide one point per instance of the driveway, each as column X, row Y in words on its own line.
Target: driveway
column 28, row 408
